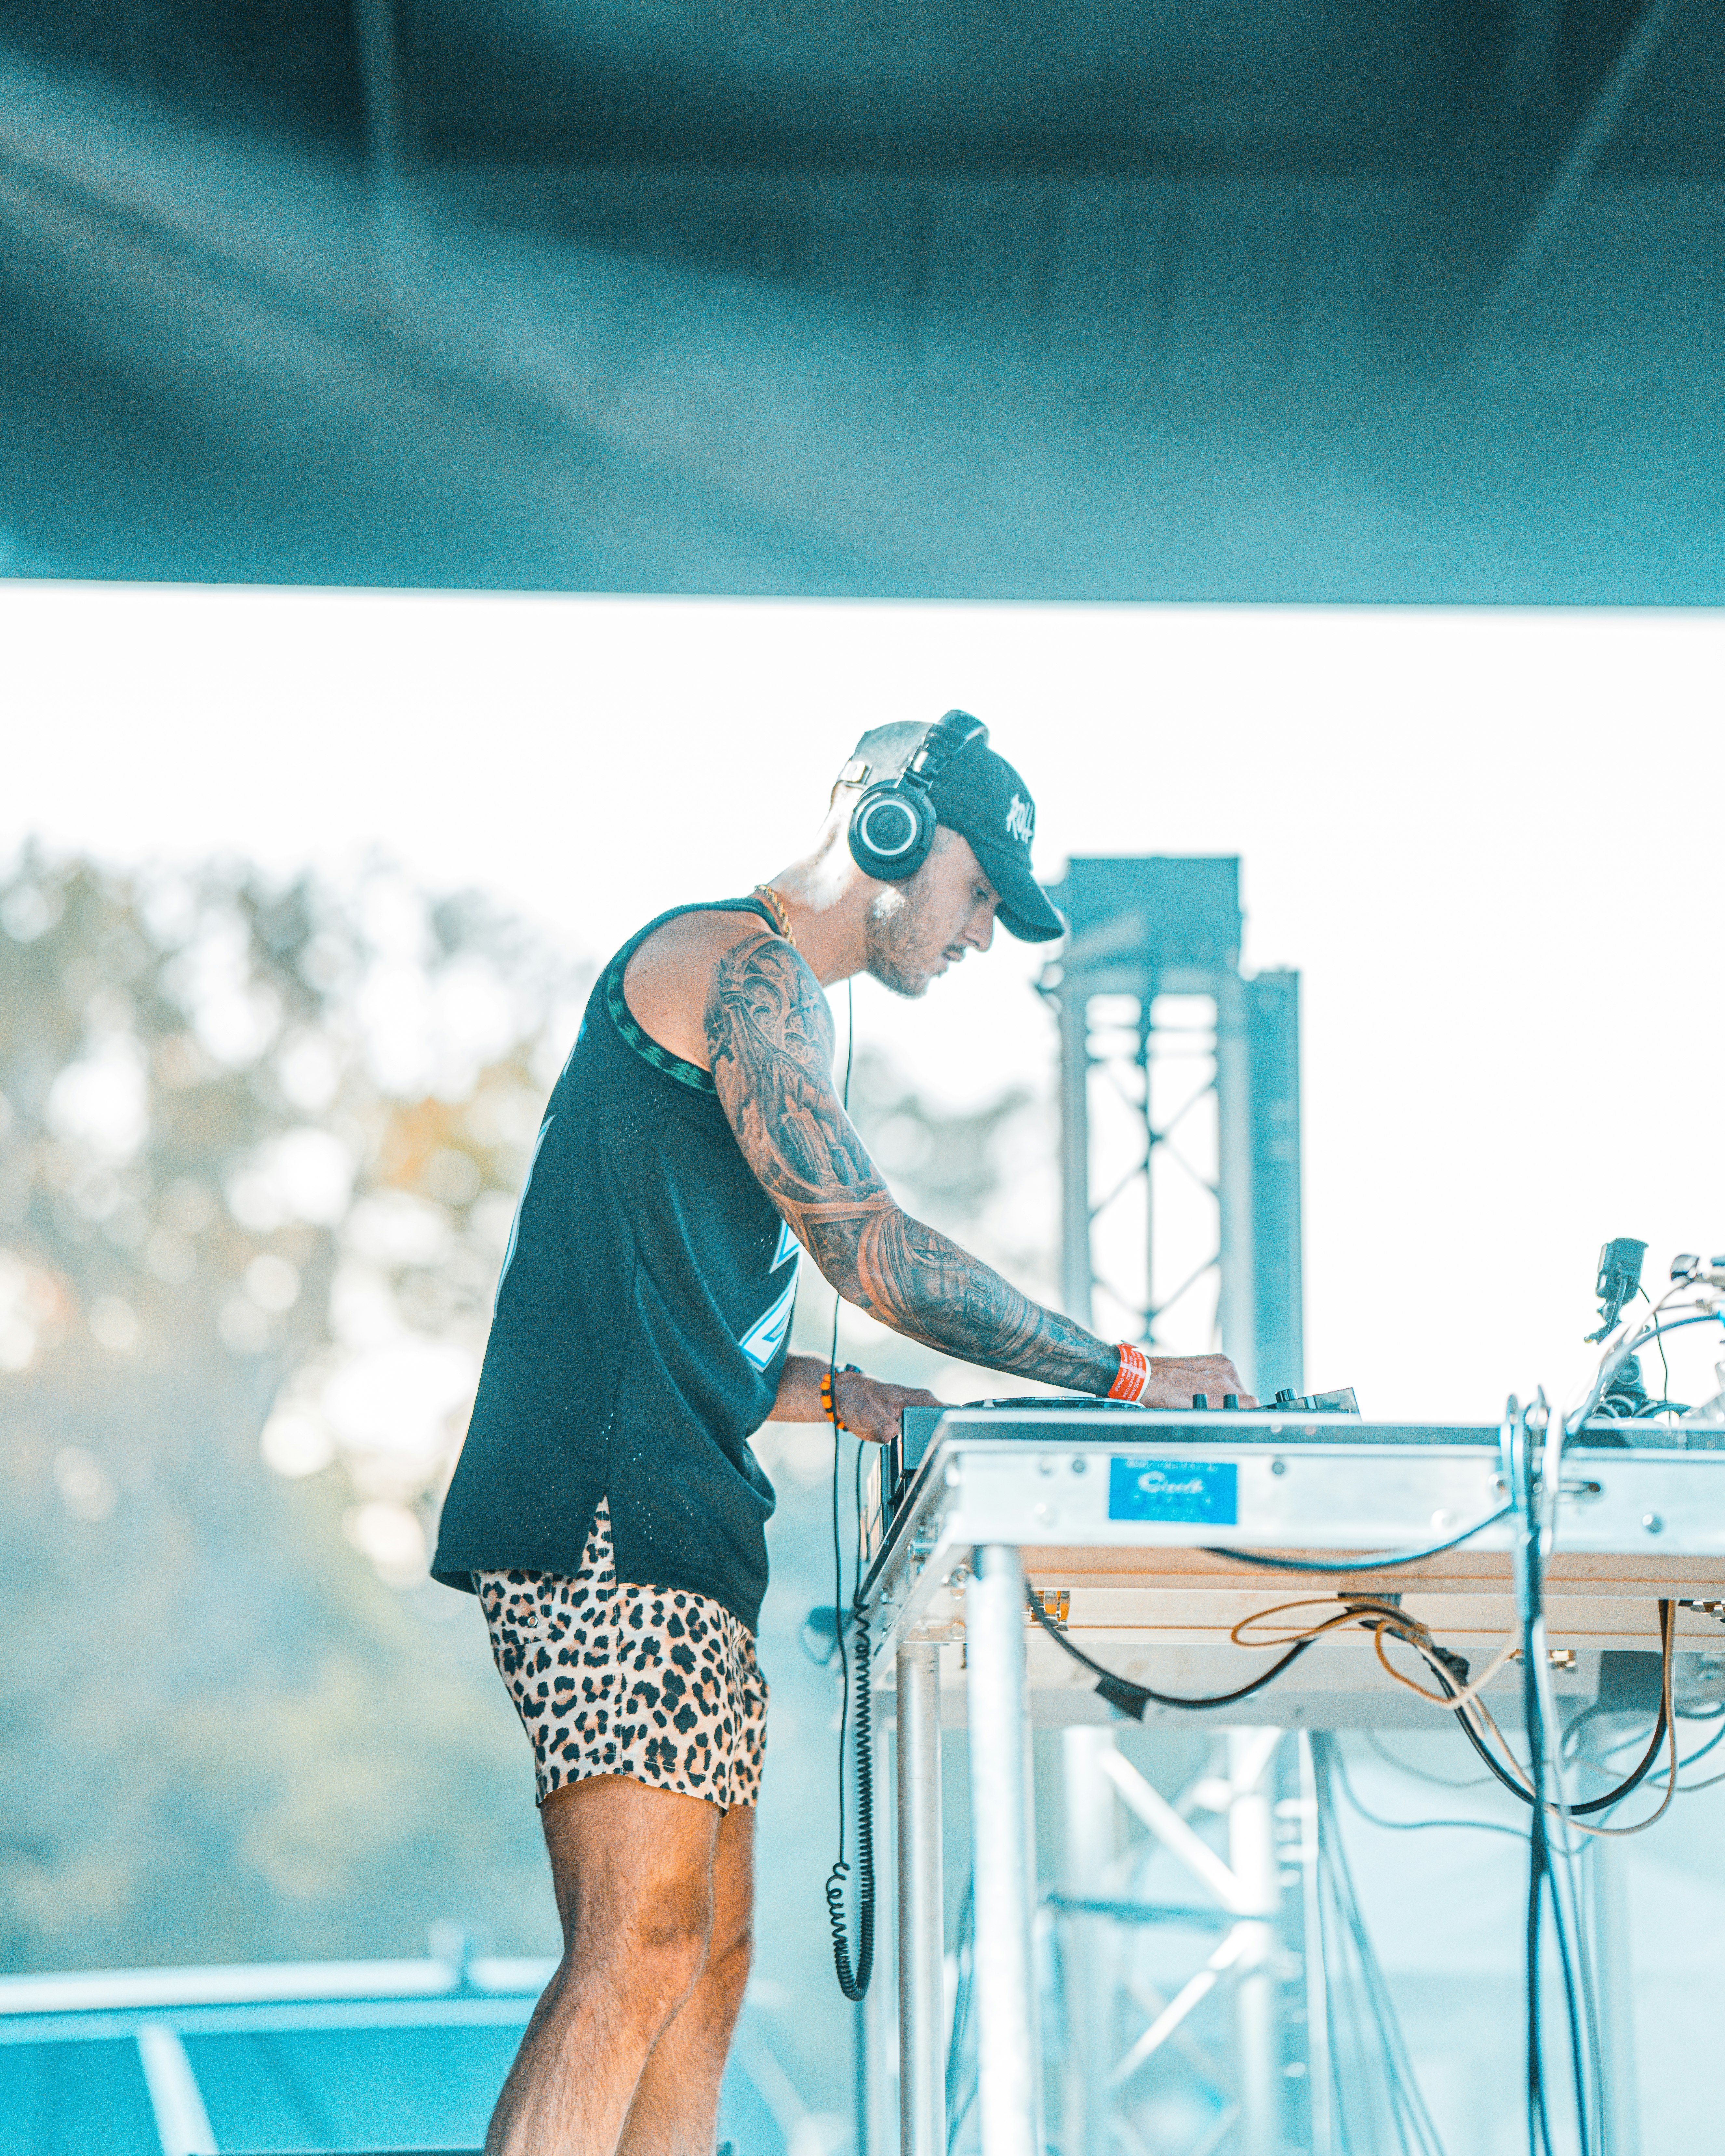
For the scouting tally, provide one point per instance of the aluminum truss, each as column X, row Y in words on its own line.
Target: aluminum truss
column 1180, row 1124
column 1158, row 2048
column 1187, row 1071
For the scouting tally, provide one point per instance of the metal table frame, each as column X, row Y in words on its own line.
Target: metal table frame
column 1643, row 1525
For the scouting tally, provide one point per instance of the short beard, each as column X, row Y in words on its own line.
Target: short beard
column 892, row 932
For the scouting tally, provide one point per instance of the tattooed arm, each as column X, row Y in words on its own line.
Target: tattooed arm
column 769, row 1037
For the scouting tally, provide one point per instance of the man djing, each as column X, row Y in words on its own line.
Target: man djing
column 607, row 1509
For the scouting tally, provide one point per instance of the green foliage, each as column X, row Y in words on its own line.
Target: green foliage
column 228, row 1738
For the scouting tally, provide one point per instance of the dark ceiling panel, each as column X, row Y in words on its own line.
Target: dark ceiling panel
column 1128, row 303
column 285, row 65
column 920, row 86
column 1675, row 124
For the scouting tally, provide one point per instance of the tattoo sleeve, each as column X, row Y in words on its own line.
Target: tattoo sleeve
column 770, row 1039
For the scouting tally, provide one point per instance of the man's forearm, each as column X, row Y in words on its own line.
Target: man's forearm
column 769, row 1036
column 799, row 1399
column 921, row 1283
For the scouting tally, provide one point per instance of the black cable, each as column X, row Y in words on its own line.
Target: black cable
column 1538, row 2123
column 1572, row 1749
column 840, row 1615
column 853, row 1977
column 1127, row 1697
column 1435, row 1662
column 1518, row 1475
column 854, row 1981
column 1538, row 1879
column 1516, row 1789
column 1543, row 1876
column 1362, row 1564
column 1665, row 1367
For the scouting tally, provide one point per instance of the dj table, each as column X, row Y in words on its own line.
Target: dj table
column 1122, row 1521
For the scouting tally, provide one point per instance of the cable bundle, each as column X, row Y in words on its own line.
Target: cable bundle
column 1375, row 2080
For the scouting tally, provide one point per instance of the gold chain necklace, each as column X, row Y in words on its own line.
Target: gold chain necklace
column 779, row 911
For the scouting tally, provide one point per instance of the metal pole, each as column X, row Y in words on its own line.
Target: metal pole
column 1252, row 1858
column 1076, row 1279
column 877, row 2017
column 1087, row 1803
column 921, row 1931
column 1273, row 1034
column 1001, row 1851
column 1319, row 2079
column 860, row 2065
column 1236, row 1310
column 1614, row 1989
column 878, row 2035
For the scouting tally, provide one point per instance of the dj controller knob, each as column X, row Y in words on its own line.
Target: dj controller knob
column 1200, row 1399
column 1231, row 1403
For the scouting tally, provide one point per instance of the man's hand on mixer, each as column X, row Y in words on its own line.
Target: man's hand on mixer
column 872, row 1408
column 867, row 1405
column 1175, row 1380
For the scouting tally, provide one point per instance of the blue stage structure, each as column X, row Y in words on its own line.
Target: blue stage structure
column 288, row 2058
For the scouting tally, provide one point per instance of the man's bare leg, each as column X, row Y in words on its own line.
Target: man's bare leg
column 677, row 2107
column 632, row 1868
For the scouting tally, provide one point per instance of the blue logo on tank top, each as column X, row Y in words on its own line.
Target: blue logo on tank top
column 765, row 1336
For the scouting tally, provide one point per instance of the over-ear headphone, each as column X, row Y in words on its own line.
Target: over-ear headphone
column 892, row 826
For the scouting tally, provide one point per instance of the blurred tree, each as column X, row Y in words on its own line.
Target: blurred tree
column 257, row 1153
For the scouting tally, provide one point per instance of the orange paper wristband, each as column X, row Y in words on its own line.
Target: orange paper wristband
column 1134, row 1374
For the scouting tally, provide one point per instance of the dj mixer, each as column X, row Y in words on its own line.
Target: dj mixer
column 891, row 1472
column 1151, row 1530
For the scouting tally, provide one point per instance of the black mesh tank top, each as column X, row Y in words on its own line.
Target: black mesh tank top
column 638, row 1332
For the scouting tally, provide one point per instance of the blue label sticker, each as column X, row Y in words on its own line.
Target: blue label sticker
column 1203, row 1490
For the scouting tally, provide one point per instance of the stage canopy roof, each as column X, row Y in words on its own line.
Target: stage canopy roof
column 1353, row 299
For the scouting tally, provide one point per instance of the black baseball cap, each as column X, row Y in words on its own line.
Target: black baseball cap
column 979, row 795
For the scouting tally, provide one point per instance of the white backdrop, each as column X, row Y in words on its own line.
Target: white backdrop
column 1491, row 844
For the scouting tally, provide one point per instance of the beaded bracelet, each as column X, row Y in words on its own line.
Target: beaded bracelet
column 827, row 1379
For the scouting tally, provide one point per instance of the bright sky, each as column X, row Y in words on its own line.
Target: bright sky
column 1491, row 843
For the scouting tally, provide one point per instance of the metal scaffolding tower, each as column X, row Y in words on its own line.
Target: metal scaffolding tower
column 1164, row 1942
column 1180, row 1129
column 1157, row 1020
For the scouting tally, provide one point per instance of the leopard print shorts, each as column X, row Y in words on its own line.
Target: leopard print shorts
column 653, row 1683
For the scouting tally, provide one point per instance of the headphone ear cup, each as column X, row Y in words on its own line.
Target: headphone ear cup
column 891, row 830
